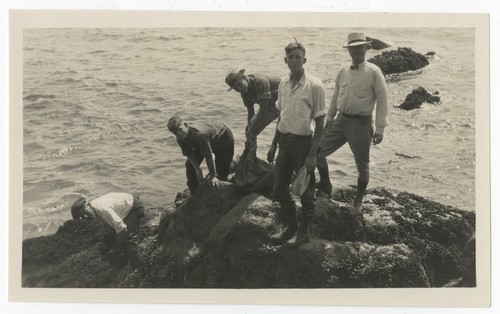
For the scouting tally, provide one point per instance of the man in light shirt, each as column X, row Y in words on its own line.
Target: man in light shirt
column 301, row 99
column 358, row 87
column 120, row 211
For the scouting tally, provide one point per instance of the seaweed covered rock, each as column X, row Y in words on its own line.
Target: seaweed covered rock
column 377, row 44
column 219, row 239
column 400, row 60
column 417, row 97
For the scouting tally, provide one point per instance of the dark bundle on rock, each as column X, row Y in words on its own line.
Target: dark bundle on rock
column 418, row 96
column 377, row 44
column 399, row 61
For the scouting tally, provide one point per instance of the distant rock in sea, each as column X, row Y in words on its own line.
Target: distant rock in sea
column 402, row 60
column 418, row 96
column 219, row 239
column 377, row 44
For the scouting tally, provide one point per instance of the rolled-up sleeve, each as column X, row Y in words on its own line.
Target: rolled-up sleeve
column 318, row 95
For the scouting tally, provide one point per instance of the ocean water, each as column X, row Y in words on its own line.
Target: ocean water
column 96, row 103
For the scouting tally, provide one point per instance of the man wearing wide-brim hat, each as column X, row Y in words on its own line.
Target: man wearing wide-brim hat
column 359, row 89
column 258, row 89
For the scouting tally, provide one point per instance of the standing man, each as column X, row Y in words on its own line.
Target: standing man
column 256, row 89
column 358, row 87
column 198, row 143
column 120, row 211
column 301, row 99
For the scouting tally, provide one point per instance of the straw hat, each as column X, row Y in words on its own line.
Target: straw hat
column 301, row 181
column 356, row 39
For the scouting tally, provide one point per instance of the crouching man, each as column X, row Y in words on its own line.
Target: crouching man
column 122, row 212
column 198, row 142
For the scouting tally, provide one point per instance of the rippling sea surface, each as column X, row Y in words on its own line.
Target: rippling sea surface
column 96, row 103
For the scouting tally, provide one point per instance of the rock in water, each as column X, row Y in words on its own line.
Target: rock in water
column 399, row 61
column 377, row 44
column 418, row 96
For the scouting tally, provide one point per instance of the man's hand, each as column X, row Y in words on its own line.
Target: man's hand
column 271, row 153
column 214, row 182
column 310, row 163
column 328, row 125
column 377, row 138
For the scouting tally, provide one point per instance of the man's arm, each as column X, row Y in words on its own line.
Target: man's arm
column 332, row 110
column 274, row 144
column 250, row 113
column 263, row 104
column 207, row 152
column 318, row 133
column 382, row 109
column 199, row 174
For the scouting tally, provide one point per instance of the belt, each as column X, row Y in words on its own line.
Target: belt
column 291, row 135
column 356, row 116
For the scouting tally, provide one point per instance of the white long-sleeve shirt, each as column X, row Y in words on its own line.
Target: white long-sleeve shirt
column 357, row 91
column 112, row 208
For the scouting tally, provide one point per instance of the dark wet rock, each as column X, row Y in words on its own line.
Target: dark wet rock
column 400, row 60
column 219, row 239
column 417, row 97
column 377, row 44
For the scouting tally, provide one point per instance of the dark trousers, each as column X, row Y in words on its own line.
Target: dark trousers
column 223, row 150
column 133, row 221
column 292, row 153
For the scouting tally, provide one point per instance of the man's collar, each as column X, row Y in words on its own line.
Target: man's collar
column 355, row 67
column 302, row 78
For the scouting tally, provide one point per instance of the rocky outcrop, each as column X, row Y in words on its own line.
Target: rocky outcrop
column 401, row 60
column 219, row 239
column 377, row 44
column 418, row 96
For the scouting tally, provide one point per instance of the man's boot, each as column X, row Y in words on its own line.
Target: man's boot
column 133, row 254
column 324, row 185
column 290, row 218
column 304, row 235
column 358, row 201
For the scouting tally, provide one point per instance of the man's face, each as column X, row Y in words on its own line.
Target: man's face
column 242, row 86
column 295, row 60
column 181, row 132
column 358, row 53
column 87, row 213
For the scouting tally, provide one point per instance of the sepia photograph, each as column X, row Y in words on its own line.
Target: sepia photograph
column 233, row 152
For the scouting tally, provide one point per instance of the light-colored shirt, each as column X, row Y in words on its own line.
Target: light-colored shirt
column 357, row 91
column 300, row 105
column 112, row 208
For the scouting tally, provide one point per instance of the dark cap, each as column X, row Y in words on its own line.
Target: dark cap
column 233, row 78
column 78, row 207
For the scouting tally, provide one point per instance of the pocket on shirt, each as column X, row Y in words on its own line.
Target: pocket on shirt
column 364, row 91
column 343, row 87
